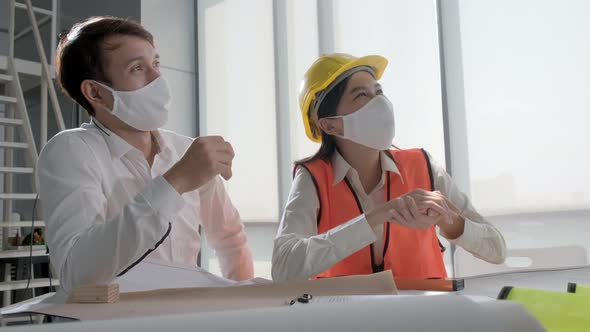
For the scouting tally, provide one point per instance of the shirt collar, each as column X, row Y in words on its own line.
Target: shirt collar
column 342, row 167
column 164, row 147
column 119, row 147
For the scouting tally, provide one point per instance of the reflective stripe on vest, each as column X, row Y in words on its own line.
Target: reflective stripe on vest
column 407, row 252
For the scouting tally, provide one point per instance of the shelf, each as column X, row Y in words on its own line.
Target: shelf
column 26, row 67
column 21, row 253
column 17, row 170
column 20, row 5
column 5, row 78
column 7, row 100
column 38, row 223
column 23, row 196
column 14, row 145
column 22, row 284
column 10, row 121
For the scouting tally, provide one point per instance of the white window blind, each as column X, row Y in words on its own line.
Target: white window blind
column 237, row 97
column 526, row 77
column 405, row 32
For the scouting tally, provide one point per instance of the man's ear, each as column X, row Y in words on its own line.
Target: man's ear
column 332, row 126
column 96, row 94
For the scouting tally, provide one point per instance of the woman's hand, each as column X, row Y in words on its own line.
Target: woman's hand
column 419, row 209
column 425, row 208
column 433, row 208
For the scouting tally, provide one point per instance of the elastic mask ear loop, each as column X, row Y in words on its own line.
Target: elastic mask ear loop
column 112, row 93
column 100, row 128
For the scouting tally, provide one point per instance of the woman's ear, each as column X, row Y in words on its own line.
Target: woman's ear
column 332, row 126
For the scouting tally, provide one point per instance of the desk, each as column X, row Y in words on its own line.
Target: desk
column 407, row 314
column 487, row 285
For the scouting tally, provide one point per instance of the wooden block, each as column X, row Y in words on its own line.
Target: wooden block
column 95, row 294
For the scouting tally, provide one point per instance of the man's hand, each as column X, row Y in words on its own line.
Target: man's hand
column 205, row 158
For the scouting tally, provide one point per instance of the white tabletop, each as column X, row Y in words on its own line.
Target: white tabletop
column 489, row 286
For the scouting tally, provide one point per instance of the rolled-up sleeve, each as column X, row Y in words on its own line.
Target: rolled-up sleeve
column 225, row 231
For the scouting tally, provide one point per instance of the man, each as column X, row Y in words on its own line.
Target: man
column 120, row 188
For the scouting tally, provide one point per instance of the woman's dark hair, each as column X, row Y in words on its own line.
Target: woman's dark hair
column 327, row 108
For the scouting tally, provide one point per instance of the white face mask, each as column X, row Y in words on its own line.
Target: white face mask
column 373, row 125
column 145, row 108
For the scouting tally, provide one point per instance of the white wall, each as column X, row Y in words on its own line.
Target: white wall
column 172, row 24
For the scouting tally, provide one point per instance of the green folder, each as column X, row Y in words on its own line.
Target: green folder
column 578, row 289
column 556, row 311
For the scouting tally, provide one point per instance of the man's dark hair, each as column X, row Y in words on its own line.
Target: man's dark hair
column 80, row 53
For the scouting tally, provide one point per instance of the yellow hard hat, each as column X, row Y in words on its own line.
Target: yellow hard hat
column 323, row 72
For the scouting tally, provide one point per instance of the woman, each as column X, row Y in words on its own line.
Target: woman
column 358, row 206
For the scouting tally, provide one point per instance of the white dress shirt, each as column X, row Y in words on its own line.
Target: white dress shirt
column 105, row 208
column 301, row 253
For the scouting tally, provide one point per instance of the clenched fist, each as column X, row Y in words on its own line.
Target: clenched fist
column 205, row 158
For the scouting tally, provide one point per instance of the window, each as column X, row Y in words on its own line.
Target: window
column 517, row 80
column 237, row 98
column 525, row 96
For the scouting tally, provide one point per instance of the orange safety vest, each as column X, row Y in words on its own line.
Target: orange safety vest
column 409, row 253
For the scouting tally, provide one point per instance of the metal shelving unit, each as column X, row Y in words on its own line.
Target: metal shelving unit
column 18, row 138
